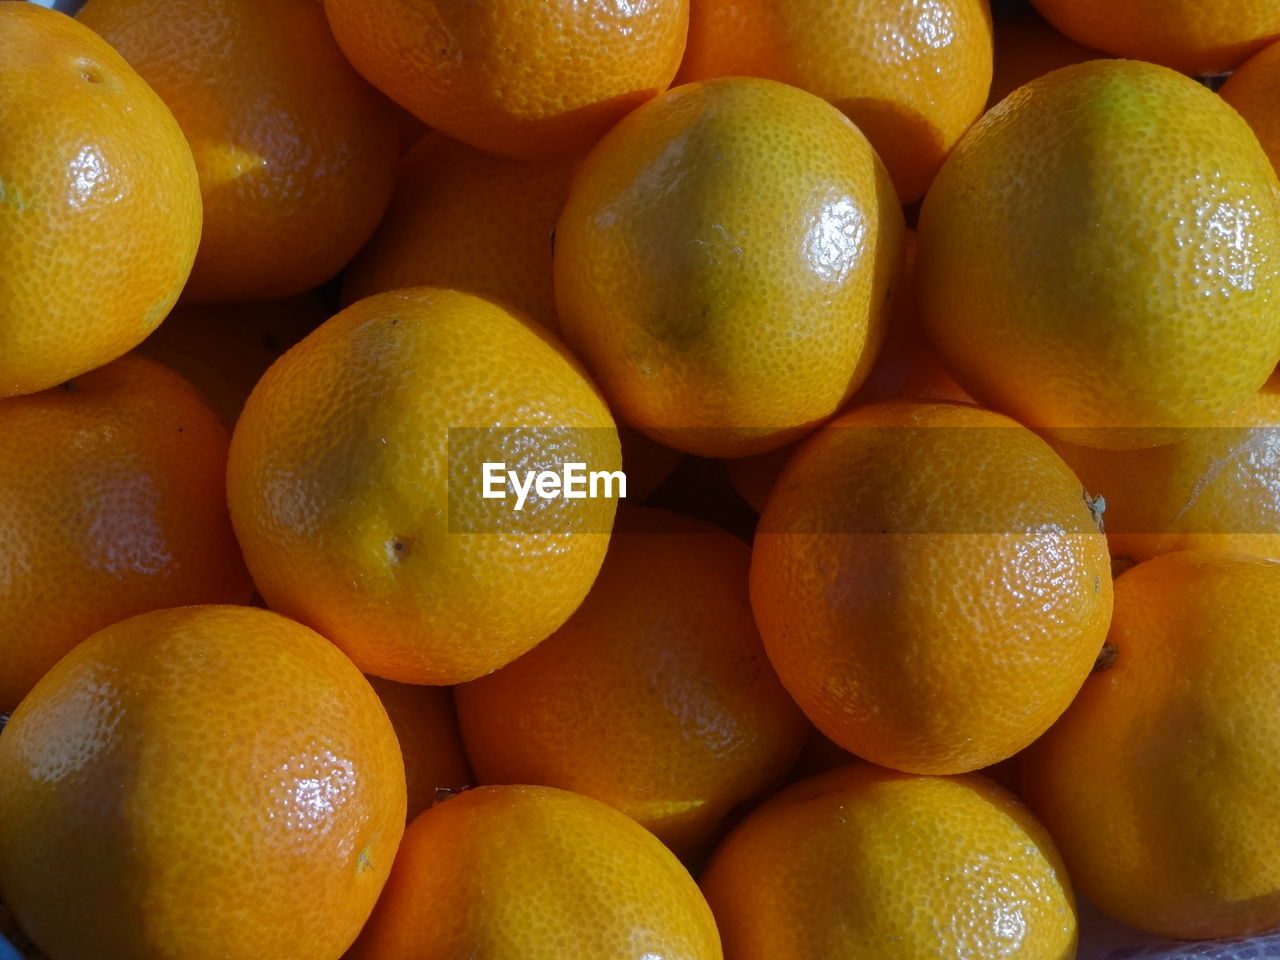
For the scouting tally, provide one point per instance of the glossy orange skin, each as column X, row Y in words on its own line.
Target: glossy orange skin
column 1187, row 35
column 930, row 585
column 198, row 783
column 1026, row 47
column 862, row 863
column 656, row 696
column 112, row 503
column 1159, row 783
column 296, row 152
column 540, row 874
column 1102, row 252
column 101, row 188
column 467, row 220
column 1216, row 489
column 358, row 503
column 911, row 76
column 224, row 349
column 435, row 764
column 1254, row 89
column 522, row 78
column 717, row 326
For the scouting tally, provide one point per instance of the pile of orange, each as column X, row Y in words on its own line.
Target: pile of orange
column 683, row 479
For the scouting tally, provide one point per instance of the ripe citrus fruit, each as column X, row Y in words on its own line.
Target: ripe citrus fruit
column 112, row 503
column 656, row 696
column 930, row 584
column 1159, row 783
column 523, row 78
column 1026, row 48
column 1102, row 250
column 435, row 764
column 198, row 783
column 469, row 221
column 1188, row 35
column 296, row 152
column 911, row 76
column 99, row 203
column 1254, row 90
column 1216, row 489
column 723, row 263
column 864, row 862
column 537, row 873
column 224, row 349
column 355, row 484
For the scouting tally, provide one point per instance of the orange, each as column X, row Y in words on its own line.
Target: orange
column 911, row 76
column 1254, row 90
column 1159, row 783
column 112, row 503
column 1026, row 48
column 862, row 863
column 931, row 585
column 296, row 152
column 1217, row 489
column 469, row 221
column 1188, row 35
column 1102, row 252
column 524, row 78
column 656, row 697
column 723, row 263
column 198, row 783
column 356, row 484
column 224, row 349
column 435, row 765
column 99, row 203
column 540, row 874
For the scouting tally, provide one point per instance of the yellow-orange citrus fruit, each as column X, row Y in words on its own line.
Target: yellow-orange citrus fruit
column 224, row 349
column 1159, row 783
column 296, row 153
column 930, row 584
column 861, row 862
column 1188, row 35
column 467, row 220
column 656, row 696
column 523, row 78
column 435, row 764
column 356, row 484
column 200, row 783
column 537, row 873
column 723, row 263
column 99, row 202
column 1216, row 489
column 112, row 503
column 1102, row 250
column 911, row 76
column 1026, row 48
column 1254, row 90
